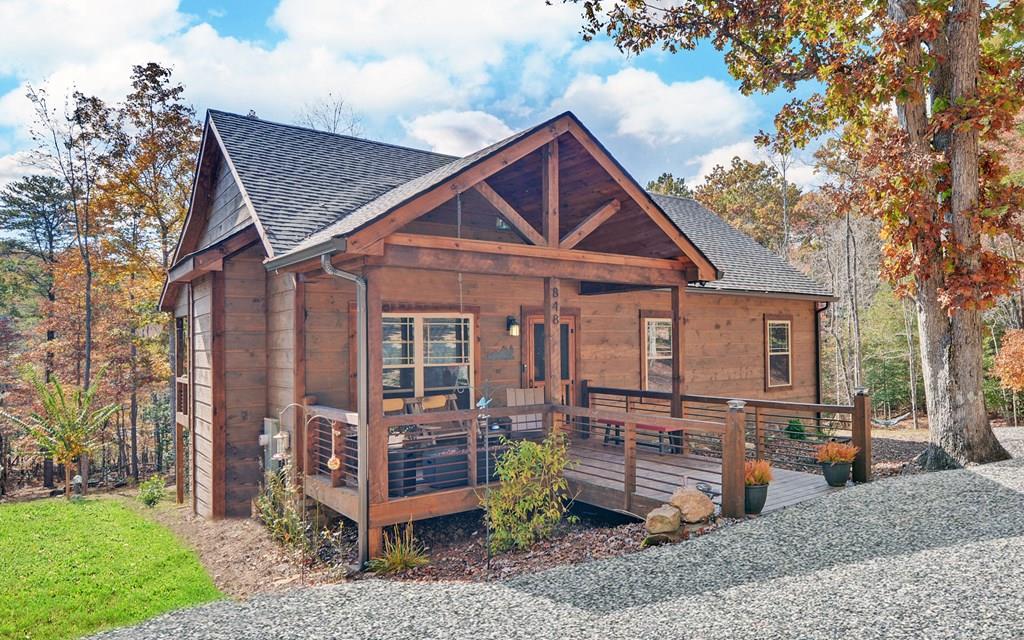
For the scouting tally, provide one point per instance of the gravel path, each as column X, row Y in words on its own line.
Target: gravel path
column 927, row 556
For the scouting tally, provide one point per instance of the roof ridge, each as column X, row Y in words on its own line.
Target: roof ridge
column 332, row 134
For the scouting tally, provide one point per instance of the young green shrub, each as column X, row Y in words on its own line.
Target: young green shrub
column 795, row 430
column 401, row 552
column 533, row 495
column 152, row 491
column 278, row 506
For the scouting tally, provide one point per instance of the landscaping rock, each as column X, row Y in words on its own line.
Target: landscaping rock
column 664, row 519
column 693, row 505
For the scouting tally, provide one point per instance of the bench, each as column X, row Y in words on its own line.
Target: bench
column 673, row 433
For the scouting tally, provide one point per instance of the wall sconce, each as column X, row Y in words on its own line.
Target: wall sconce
column 512, row 324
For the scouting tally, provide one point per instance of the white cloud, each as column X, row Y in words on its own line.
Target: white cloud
column 800, row 172
column 457, row 132
column 638, row 104
column 16, row 165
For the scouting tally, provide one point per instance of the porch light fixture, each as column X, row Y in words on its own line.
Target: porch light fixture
column 512, row 324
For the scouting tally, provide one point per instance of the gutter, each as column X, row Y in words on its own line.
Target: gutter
column 818, row 310
column 327, row 247
column 362, row 428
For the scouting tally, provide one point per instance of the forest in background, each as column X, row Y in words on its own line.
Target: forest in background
column 89, row 232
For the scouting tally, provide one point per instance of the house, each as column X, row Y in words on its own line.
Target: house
column 368, row 296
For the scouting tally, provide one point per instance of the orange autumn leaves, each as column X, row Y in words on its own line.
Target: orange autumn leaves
column 1010, row 361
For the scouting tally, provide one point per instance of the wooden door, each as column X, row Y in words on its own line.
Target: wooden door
column 535, row 365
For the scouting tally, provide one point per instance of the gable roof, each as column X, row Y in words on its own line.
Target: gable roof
column 309, row 186
column 300, row 180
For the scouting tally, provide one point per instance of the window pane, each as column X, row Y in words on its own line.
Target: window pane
column 399, row 383
column 778, row 370
column 448, row 380
column 778, row 337
column 539, row 364
column 398, row 341
column 659, row 338
column 446, row 340
column 659, row 374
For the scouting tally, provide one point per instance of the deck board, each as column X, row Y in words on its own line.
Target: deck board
column 659, row 474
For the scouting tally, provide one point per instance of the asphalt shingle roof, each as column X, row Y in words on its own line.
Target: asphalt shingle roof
column 748, row 266
column 308, row 186
column 300, row 180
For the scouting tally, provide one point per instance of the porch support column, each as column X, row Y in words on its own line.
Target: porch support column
column 377, row 440
column 552, row 344
column 678, row 349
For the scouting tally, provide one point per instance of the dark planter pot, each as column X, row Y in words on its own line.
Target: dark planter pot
column 836, row 475
column 754, row 496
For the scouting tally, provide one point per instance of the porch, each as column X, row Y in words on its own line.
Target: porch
column 627, row 453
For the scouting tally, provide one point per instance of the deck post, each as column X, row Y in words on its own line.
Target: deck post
column 552, row 347
column 733, row 455
column 629, row 466
column 179, row 462
column 678, row 442
column 308, row 433
column 862, row 435
column 376, row 461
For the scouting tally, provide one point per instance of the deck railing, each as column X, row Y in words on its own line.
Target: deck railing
column 784, row 433
column 626, row 451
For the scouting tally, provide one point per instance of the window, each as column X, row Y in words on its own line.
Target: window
column 778, row 357
column 657, row 373
column 428, row 354
column 181, row 347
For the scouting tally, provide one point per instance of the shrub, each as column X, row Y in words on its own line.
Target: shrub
column 278, row 507
column 401, row 552
column 795, row 430
column 837, row 452
column 152, row 491
column 533, row 495
column 757, row 472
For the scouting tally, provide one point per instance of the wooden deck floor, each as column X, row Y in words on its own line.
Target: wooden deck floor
column 597, row 478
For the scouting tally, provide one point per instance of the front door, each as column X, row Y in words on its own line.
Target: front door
column 536, row 367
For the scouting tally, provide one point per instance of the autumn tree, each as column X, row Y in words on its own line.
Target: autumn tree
column 1010, row 361
column 940, row 195
column 72, row 143
column 749, row 196
column 669, row 185
column 155, row 139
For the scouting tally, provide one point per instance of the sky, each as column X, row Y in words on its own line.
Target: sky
column 447, row 75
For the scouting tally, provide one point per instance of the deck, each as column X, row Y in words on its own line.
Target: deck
column 598, row 471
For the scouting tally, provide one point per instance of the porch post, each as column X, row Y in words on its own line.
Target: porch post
column 678, row 349
column 552, row 345
column 861, row 428
column 733, row 458
column 376, row 461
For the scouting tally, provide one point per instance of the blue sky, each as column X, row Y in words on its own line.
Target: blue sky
column 451, row 75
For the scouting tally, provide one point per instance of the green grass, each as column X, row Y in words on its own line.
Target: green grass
column 72, row 568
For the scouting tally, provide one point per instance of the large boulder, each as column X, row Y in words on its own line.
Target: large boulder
column 664, row 519
column 693, row 505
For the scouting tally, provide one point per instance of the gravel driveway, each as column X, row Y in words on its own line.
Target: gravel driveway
column 927, row 556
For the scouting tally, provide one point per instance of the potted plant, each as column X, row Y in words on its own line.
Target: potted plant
column 758, row 473
column 836, row 459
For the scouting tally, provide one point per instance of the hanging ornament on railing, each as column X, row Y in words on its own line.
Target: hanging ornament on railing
column 334, row 462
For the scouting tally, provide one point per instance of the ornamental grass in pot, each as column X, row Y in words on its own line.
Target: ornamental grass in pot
column 836, row 460
column 757, row 475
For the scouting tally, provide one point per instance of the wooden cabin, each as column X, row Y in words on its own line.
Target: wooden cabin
column 362, row 301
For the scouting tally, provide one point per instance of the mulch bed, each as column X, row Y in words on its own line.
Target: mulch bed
column 457, row 546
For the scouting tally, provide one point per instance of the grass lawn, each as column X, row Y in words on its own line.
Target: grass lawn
column 72, row 568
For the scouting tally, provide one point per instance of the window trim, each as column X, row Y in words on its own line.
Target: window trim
column 419, row 313
column 645, row 317
column 769, row 320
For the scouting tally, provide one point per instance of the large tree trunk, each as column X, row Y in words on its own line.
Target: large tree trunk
column 951, row 343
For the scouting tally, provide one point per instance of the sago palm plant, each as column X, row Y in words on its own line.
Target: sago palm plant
column 66, row 426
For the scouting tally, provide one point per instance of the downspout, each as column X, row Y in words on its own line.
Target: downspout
column 362, row 428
